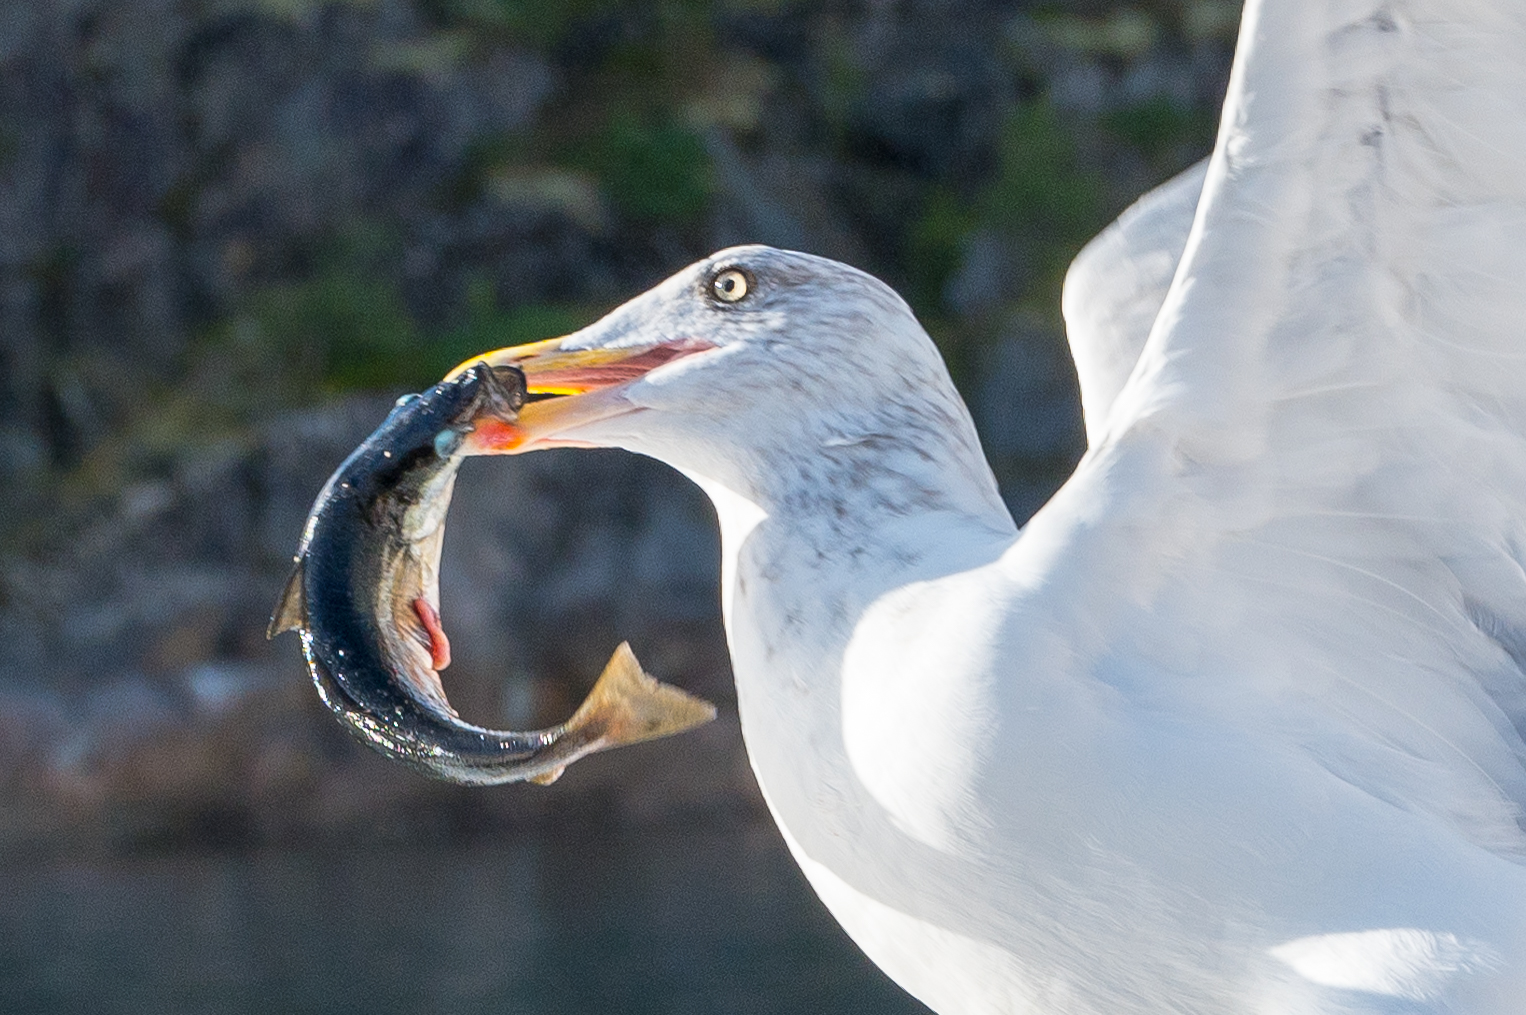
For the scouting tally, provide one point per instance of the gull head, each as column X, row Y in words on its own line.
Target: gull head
column 738, row 365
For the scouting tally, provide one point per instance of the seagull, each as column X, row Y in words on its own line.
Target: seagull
column 1235, row 723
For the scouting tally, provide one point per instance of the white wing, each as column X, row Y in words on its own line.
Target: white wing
column 1236, row 724
column 1241, row 711
column 1115, row 287
column 1334, row 394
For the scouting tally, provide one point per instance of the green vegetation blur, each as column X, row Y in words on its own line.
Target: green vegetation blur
column 622, row 147
column 619, row 156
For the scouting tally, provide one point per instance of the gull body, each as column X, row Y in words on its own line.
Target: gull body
column 1234, row 725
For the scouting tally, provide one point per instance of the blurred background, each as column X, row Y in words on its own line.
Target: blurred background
column 231, row 231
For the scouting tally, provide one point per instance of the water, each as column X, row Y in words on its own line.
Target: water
column 670, row 921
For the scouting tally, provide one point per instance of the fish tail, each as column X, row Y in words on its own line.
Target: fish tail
column 627, row 706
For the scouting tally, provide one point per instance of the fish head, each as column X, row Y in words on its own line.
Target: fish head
column 482, row 394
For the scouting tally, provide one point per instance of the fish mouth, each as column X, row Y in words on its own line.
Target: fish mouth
column 579, row 386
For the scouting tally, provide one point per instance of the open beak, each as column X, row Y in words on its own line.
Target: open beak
column 587, row 381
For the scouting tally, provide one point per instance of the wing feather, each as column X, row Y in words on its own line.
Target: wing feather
column 1336, row 387
column 1115, row 287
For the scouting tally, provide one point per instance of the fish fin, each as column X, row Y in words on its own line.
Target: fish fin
column 439, row 642
column 547, row 778
column 627, row 706
column 291, row 608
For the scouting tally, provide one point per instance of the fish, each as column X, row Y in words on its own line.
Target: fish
column 363, row 596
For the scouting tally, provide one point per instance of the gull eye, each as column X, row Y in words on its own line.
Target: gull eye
column 729, row 286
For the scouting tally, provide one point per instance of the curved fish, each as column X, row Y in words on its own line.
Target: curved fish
column 364, row 596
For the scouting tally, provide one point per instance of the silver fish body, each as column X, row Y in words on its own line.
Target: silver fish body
column 364, row 597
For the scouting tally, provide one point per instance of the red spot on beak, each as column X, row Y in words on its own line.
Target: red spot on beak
column 439, row 645
column 490, row 435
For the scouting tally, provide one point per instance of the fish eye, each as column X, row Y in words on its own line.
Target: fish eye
column 730, row 285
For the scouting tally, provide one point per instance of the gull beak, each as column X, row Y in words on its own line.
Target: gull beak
column 588, row 384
